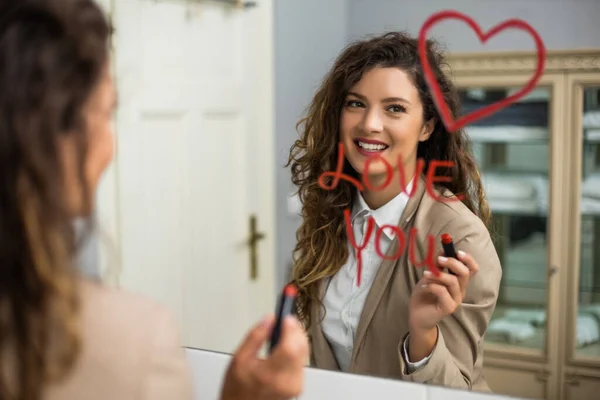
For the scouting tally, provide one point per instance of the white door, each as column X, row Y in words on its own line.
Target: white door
column 194, row 161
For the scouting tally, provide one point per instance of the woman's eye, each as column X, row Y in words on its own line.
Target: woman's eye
column 396, row 109
column 354, row 103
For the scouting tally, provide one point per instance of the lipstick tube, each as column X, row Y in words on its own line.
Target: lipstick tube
column 285, row 307
column 449, row 249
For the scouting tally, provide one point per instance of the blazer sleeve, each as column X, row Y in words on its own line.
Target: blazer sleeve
column 459, row 347
column 168, row 372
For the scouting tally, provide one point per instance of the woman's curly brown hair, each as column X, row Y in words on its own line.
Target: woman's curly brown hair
column 321, row 248
column 52, row 55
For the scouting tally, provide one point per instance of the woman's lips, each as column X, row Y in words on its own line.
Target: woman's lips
column 369, row 147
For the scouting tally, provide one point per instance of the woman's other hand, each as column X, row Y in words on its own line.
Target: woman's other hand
column 280, row 376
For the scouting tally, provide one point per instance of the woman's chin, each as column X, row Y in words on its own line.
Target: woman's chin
column 375, row 169
column 376, row 178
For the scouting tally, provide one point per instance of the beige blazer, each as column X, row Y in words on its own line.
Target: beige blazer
column 130, row 351
column 457, row 359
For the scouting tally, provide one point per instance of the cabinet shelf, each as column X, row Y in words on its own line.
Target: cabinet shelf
column 519, row 134
column 591, row 135
column 588, row 208
column 507, row 134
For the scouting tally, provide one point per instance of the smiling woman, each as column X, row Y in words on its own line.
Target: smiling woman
column 374, row 120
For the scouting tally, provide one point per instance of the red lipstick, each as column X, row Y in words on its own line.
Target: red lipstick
column 286, row 306
column 449, row 250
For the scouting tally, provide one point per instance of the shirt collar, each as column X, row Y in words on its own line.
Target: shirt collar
column 388, row 214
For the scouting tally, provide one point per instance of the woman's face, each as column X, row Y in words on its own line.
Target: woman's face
column 382, row 114
column 98, row 113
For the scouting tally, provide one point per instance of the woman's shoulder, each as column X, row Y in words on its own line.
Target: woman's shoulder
column 129, row 343
column 112, row 309
column 95, row 293
column 441, row 209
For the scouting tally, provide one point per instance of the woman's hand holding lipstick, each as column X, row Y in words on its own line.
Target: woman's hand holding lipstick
column 278, row 377
column 434, row 298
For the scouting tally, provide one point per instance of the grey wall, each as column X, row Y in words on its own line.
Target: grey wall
column 562, row 24
column 310, row 34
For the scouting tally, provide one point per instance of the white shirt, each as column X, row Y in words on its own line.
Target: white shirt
column 343, row 299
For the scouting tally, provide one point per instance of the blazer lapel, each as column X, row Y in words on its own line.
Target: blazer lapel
column 385, row 272
column 321, row 350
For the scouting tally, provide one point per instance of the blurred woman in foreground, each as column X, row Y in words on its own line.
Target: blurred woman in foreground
column 63, row 336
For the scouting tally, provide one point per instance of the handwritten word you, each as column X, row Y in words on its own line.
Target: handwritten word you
column 428, row 260
column 366, row 180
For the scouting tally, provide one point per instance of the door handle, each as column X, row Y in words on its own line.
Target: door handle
column 255, row 236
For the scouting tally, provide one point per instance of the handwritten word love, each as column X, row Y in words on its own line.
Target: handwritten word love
column 399, row 233
column 366, row 180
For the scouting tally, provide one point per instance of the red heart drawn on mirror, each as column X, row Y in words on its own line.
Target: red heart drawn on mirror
column 438, row 98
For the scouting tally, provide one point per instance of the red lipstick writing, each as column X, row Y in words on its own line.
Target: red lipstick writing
column 435, row 90
column 428, row 260
column 431, row 178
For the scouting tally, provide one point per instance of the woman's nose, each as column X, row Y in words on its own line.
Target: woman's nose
column 372, row 122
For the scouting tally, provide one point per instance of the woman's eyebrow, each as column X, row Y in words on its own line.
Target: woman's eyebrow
column 395, row 99
column 386, row 100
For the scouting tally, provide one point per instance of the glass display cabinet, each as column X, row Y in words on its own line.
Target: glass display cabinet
column 512, row 149
column 539, row 160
